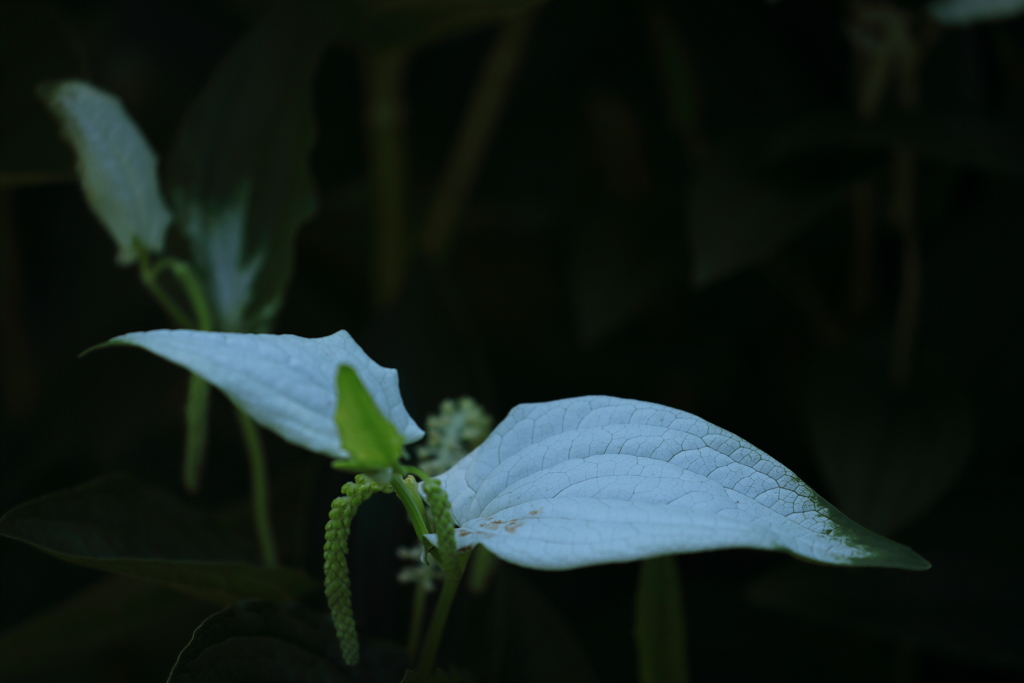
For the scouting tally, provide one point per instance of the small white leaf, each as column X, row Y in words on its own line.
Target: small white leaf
column 285, row 383
column 116, row 165
column 967, row 12
column 596, row 479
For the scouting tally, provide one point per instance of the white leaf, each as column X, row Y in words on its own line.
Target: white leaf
column 116, row 165
column 595, row 479
column 967, row 12
column 285, row 383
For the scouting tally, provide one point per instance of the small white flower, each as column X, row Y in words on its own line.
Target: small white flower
column 458, row 427
column 422, row 572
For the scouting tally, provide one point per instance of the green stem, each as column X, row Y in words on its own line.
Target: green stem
column 196, row 296
column 149, row 275
column 419, row 609
column 385, row 126
column 197, row 420
column 260, row 489
column 478, row 124
column 413, row 505
column 428, row 655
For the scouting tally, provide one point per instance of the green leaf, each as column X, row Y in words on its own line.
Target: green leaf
column 658, row 627
column 887, row 456
column 371, row 440
column 118, row 525
column 257, row 641
column 238, row 175
column 113, row 613
column 413, row 23
column 739, row 217
column 117, row 167
column 34, row 47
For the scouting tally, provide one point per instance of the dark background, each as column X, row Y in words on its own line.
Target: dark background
column 740, row 260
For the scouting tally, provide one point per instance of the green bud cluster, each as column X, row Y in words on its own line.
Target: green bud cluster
column 444, row 524
column 336, row 579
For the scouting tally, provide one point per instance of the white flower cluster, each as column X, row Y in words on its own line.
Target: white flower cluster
column 459, row 427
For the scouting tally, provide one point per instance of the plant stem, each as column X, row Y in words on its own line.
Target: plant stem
column 383, row 72
column 149, row 275
column 419, row 608
column 190, row 283
column 492, row 88
column 413, row 505
column 197, row 414
column 260, row 489
column 902, row 214
column 428, row 655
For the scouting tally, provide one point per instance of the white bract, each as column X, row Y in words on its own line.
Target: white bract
column 116, row 165
column 595, row 479
column 285, row 383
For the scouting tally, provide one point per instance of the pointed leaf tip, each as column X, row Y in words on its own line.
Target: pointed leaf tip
column 596, row 479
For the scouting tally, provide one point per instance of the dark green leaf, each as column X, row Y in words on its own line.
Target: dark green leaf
column 967, row 607
column 117, row 525
column 110, row 614
column 737, row 217
column 412, row 23
column 238, row 175
column 371, row 440
column 886, row 455
column 34, row 47
column 255, row 641
column 658, row 626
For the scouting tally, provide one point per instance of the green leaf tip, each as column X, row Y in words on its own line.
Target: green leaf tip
column 370, row 439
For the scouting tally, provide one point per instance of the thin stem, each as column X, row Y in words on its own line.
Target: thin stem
column 419, row 610
column 149, row 275
column 902, row 214
column 478, row 124
column 413, row 505
column 260, row 489
column 385, row 126
column 190, row 283
column 428, row 655
column 197, row 420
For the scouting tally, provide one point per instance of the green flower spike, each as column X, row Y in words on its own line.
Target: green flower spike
column 336, row 579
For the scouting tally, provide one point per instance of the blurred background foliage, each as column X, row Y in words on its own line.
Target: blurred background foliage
column 799, row 220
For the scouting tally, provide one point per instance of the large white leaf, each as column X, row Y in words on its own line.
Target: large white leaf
column 286, row 383
column 116, row 165
column 595, row 479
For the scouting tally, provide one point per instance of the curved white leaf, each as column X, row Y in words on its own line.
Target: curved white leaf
column 596, row 479
column 286, row 383
column 116, row 165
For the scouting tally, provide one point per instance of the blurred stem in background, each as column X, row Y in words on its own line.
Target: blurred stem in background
column 383, row 74
column 260, row 489
column 482, row 112
column 888, row 53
